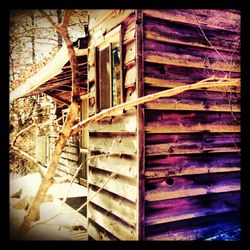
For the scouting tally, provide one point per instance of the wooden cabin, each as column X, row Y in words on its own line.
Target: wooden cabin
column 176, row 160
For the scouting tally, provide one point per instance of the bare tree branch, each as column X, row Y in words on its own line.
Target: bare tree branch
column 206, row 83
column 48, row 17
column 29, row 158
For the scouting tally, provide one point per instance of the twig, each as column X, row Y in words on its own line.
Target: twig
column 21, row 132
column 28, row 157
column 78, row 169
column 208, row 39
column 71, row 182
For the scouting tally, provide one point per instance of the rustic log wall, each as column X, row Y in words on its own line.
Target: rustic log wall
column 112, row 214
column 192, row 140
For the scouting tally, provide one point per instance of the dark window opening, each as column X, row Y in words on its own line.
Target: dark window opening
column 109, row 73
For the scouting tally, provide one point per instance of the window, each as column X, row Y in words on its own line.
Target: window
column 109, row 71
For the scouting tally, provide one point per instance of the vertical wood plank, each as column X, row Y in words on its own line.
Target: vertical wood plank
column 140, row 123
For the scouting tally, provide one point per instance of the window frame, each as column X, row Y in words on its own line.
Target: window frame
column 113, row 37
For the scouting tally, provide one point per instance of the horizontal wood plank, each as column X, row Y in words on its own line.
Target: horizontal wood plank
column 187, row 208
column 113, row 226
column 129, row 54
column 130, row 75
column 189, row 122
column 127, row 164
column 196, row 100
column 177, row 187
column 178, row 165
column 194, row 229
column 99, row 233
column 206, row 18
column 180, row 55
column 170, row 76
column 192, row 144
column 113, row 143
column 179, row 33
column 123, row 209
column 125, row 122
column 129, row 36
column 120, row 185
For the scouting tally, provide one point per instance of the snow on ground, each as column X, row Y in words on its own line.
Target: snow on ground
column 62, row 227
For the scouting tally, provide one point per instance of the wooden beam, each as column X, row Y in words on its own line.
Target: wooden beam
column 122, row 143
column 120, row 185
column 179, row 33
column 196, row 228
column 161, row 189
column 127, row 163
column 99, row 233
column 59, row 99
column 140, row 124
column 212, row 19
column 121, row 208
column 189, row 122
column 125, row 122
column 189, row 60
column 179, row 165
column 113, row 226
column 190, row 207
column 171, row 76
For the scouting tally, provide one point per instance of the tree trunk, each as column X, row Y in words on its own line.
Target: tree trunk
column 33, row 213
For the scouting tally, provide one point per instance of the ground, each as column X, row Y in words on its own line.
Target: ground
column 66, row 226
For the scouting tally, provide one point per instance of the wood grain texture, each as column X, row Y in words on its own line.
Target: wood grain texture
column 207, row 18
column 192, row 144
column 180, row 55
column 186, row 186
column 127, row 164
column 186, row 34
column 129, row 54
column 170, row 76
column 194, row 207
column 122, row 143
column 196, row 100
column 178, row 165
column 122, row 208
column 194, row 229
column 109, row 223
column 99, row 233
column 140, row 124
column 177, row 122
column 120, row 185
column 130, row 76
column 125, row 122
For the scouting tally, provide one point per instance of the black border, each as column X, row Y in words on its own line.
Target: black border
column 120, row 4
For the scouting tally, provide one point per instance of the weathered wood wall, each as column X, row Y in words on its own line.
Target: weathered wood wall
column 69, row 160
column 192, row 140
column 112, row 214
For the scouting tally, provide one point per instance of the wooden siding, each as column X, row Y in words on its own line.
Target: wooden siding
column 192, row 140
column 112, row 214
column 69, row 160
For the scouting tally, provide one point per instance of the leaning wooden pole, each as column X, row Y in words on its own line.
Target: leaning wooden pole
column 212, row 82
